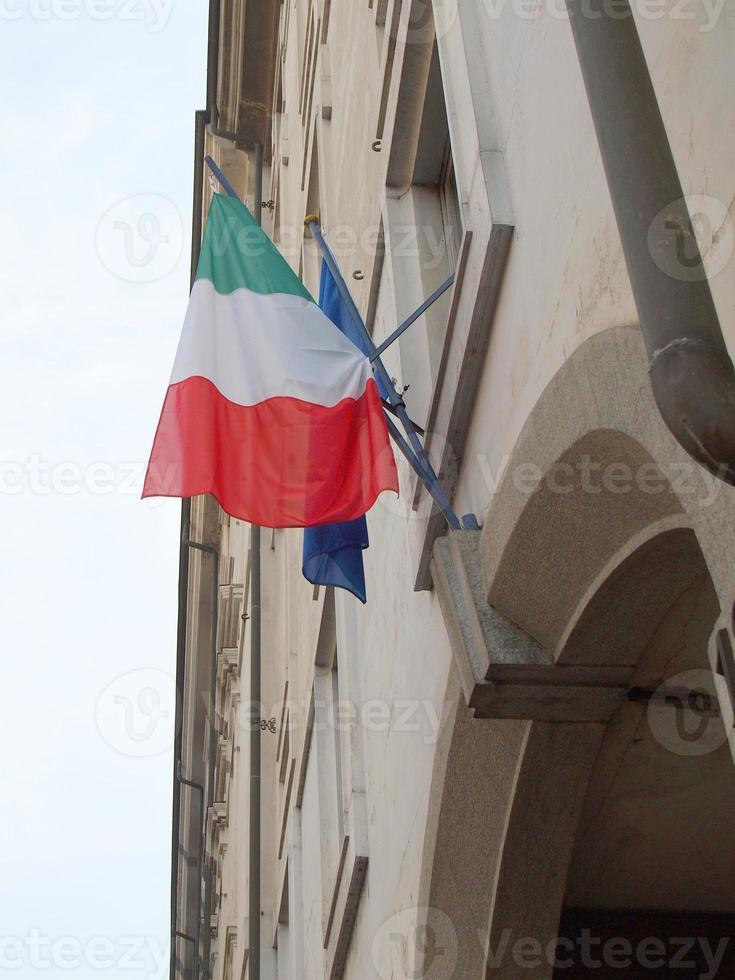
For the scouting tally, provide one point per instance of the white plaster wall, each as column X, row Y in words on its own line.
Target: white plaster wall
column 403, row 655
column 566, row 277
column 565, row 280
column 312, row 882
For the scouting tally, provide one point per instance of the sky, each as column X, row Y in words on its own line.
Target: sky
column 96, row 172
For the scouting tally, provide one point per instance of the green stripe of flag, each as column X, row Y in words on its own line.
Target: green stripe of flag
column 237, row 254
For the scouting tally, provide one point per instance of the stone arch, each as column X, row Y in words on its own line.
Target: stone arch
column 597, row 408
column 593, row 578
column 571, row 529
column 598, row 811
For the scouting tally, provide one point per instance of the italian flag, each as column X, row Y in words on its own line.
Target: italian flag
column 270, row 408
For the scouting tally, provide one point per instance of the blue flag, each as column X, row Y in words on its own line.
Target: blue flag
column 333, row 552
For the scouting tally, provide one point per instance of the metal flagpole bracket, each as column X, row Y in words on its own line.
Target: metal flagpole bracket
column 412, row 448
column 419, row 311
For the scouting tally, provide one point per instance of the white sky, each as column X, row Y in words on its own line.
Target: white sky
column 98, row 102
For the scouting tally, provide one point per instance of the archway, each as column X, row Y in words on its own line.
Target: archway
column 650, row 889
column 633, row 579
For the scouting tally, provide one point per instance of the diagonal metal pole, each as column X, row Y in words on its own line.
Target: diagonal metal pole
column 413, row 450
column 414, row 317
column 421, row 463
column 414, row 462
column 223, row 181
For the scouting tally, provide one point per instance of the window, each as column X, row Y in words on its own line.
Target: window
column 230, row 943
column 386, row 52
column 282, row 951
column 330, row 803
column 329, row 764
column 311, row 256
column 423, row 220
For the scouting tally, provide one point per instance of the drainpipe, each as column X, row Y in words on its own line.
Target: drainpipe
column 203, row 117
column 255, row 620
column 212, row 748
column 213, row 61
column 255, row 655
column 212, row 752
column 183, row 590
column 178, row 727
column 691, row 372
column 255, row 642
column 196, row 938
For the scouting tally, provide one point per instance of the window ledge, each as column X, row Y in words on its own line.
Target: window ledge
column 504, row 672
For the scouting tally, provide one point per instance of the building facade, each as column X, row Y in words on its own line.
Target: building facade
column 516, row 759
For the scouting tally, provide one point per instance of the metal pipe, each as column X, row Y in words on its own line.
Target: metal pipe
column 223, row 181
column 255, row 654
column 393, row 396
column 212, row 750
column 200, row 126
column 426, row 471
column 413, row 461
column 255, row 757
column 200, row 867
column 389, row 408
column 243, row 142
column 692, row 375
column 183, row 588
column 214, row 553
column 203, row 117
column 213, row 61
column 178, row 728
column 410, row 320
column 258, row 189
column 255, row 685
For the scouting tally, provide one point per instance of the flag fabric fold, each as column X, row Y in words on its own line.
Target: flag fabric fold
column 333, row 552
column 333, row 555
column 270, row 407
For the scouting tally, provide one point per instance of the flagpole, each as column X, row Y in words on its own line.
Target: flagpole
column 224, row 182
column 415, row 452
column 418, row 459
column 399, row 331
column 255, row 653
